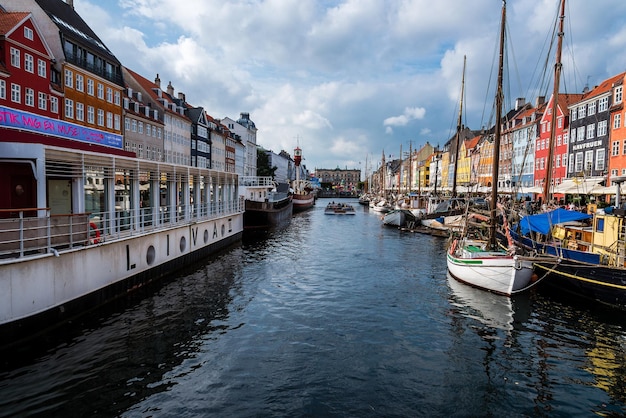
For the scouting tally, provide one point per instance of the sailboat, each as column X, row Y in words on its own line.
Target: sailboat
column 483, row 263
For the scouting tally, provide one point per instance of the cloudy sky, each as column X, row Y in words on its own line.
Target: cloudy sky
column 348, row 79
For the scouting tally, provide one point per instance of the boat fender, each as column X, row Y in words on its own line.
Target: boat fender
column 96, row 239
column 518, row 263
column 452, row 247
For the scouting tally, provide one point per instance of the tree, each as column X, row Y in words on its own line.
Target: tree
column 263, row 168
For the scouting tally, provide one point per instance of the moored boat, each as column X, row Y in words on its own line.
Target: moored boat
column 399, row 218
column 483, row 263
column 266, row 206
column 302, row 196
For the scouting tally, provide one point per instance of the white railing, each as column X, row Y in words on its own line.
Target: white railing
column 254, row 181
column 23, row 234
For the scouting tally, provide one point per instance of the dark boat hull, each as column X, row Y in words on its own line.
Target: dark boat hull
column 266, row 215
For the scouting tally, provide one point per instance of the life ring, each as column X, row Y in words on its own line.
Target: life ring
column 96, row 239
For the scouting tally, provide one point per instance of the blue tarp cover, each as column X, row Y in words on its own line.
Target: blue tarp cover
column 543, row 222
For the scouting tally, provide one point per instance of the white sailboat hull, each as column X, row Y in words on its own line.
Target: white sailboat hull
column 493, row 271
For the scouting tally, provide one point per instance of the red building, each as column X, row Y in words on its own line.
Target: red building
column 559, row 162
column 25, row 64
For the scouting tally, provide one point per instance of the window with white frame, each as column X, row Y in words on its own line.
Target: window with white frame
column 564, row 159
column 109, row 120
column 42, row 68
column 116, row 122
column 54, row 104
column 591, row 131
column 117, row 98
column 615, row 147
column 558, row 161
column 28, row 33
column 580, row 133
column 3, row 89
column 133, row 125
column 574, row 114
column 565, row 138
column 80, row 82
column 588, row 160
column 602, row 128
column 100, row 91
column 603, row 104
column 578, row 165
column 582, row 111
column 617, row 121
column 42, row 101
column 600, row 158
column 127, row 124
column 91, row 115
column 69, row 78
column 591, row 109
column 29, row 63
column 109, row 95
column 80, row 111
column 140, row 127
column 100, row 117
column 29, row 97
column 618, row 95
column 15, row 57
column 16, row 93
column 69, row 108
column 90, row 86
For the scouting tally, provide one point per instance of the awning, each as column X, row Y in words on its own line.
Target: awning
column 577, row 185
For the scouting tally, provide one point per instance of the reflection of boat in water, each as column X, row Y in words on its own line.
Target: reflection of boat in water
column 339, row 209
column 486, row 307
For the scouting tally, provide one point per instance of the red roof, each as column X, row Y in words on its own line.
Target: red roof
column 9, row 20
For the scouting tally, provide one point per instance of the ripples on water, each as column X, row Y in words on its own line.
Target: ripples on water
column 331, row 316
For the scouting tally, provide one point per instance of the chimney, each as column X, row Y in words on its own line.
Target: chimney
column 170, row 89
column 519, row 102
column 540, row 100
column 157, row 81
column 70, row 3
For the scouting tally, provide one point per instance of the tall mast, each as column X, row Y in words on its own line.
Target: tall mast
column 458, row 131
column 547, row 195
column 496, row 140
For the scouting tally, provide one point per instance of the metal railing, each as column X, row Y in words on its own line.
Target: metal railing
column 22, row 233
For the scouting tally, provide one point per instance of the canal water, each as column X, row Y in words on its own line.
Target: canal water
column 332, row 316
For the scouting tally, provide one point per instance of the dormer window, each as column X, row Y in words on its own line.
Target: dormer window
column 28, row 33
column 126, row 102
column 618, row 94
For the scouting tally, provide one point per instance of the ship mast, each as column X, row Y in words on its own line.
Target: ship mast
column 496, row 140
column 458, row 131
column 547, row 195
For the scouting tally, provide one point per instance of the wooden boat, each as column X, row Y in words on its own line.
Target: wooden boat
column 484, row 263
column 399, row 218
column 339, row 209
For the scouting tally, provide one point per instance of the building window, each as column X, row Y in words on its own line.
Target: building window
column 69, row 108
column 615, row 148
column 100, row 117
column 29, row 63
column 140, row 127
column 591, row 130
column 117, row 98
column 602, row 128
column 618, row 94
column 80, row 83
column 582, row 111
column 42, row 68
column 69, row 78
column 90, row 87
column 127, row 124
column 133, row 125
column 15, row 57
column 109, row 120
column 29, row 97
column 581, row 133
column 100, row 91
column 591, row 109
column 28, row 33
column 579, row 162
column 3, row 89
column 116, row 122
column 588, row 160
column 617, row 121
column 603, row 105
column 80, row 111
column 109, row 95
column 16, row 93
column 600, row 159
column 54, row 104
column 90, row 115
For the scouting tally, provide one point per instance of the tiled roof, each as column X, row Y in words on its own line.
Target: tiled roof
column 9, row 20
column 603, row 87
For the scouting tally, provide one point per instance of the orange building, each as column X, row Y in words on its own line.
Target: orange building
column 617, row 132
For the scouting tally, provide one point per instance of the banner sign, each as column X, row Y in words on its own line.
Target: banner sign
column 17, row 119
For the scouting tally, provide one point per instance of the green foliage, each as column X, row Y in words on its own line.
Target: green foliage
column 263, row 168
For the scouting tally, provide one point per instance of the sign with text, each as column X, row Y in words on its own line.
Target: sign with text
column 17, row 119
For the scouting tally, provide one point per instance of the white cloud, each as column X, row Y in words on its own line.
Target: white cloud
column 410, row 113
